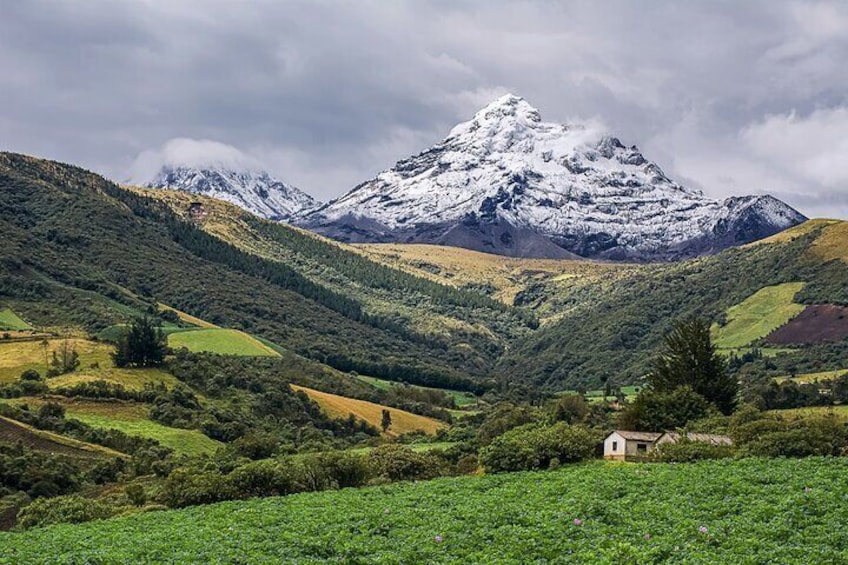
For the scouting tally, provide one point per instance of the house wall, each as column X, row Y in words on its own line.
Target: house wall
column 632, row 448
column 617, row 454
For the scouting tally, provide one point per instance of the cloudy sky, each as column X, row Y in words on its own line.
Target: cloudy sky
column 730, row 97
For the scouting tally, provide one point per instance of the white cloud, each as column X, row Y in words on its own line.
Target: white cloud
column 194, row 153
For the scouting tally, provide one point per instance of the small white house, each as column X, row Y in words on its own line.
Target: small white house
column 621, row 445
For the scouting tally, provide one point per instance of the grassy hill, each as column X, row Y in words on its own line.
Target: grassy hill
column 758, row 315
column 221, row 341
column 746, row 511
column 611, row 330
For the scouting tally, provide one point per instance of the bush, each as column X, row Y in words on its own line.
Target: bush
column 399, row 463
column 801, row 438
column 686, row 451
column 64, row 509
column 534, row 447
column 655, row 411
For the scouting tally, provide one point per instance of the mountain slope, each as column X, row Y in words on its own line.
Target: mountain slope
column 508, row 183
column 255, row 191
column 79, row 249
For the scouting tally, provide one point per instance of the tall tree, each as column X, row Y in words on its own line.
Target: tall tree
column 143, row 344
column 386, row 422
column 689, row 358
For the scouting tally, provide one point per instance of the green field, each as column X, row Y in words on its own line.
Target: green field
column 19, row 356
column 758, row 315
column 189, row 442
column 731, row 511
column 221, row 341
column 10, row 321
column 461, row 398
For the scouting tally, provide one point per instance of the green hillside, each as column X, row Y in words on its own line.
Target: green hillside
column 745, row 511
column 79, row 250
column 10, row 321
column 220, row 341
column 758, row 315
column 611, row 331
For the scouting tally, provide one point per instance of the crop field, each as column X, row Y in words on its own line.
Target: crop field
column 221, row 341
column 758, row 315
column 402, row 422
column 814, row 377
column 730, row 511
column 18, row 356
column 461, row 398
column 10, row 321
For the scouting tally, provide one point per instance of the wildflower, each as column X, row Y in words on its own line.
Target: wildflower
column 647, row 536
column 439, row 539
column 703, row 530
column 578, row 522
column 808, row 489
column 386, row 511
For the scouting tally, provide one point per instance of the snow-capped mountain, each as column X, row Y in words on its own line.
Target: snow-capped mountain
column 254, row 190
column 509, row 183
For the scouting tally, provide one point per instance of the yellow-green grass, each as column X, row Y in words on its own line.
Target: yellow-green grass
column 188, row 318
column 461, row 398
column 758, row 315
column 403, row 422
column 814, row 377
column 132, row 379
column 832, row 243
column 10, row 321
column 459, row 267
column 19, row 356
column 840, row 412
column 130, row 418
column 221, row 341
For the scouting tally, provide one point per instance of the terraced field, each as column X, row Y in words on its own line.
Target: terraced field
column 402, row 422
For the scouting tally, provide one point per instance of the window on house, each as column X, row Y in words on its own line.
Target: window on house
column 615, row 446
column 641, row 447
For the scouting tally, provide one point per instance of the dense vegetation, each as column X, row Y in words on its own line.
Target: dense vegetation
column 749, row 511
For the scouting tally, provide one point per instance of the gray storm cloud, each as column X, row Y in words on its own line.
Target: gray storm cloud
column 730, row 97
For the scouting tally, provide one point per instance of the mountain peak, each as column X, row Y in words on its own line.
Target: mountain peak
column 254, row 190
column 509, row 106
column 507, row 182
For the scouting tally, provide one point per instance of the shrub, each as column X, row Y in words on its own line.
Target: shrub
column 399, row 463
column 63, row 509
column 801, row 438
column 686, row 451
column 655, row 411
column 534, row 447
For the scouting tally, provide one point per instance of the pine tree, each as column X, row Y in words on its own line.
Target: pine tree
column 386, row 422
column 142, row 345
column 689, row 358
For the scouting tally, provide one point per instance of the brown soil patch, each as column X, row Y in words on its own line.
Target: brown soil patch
column 816, row 324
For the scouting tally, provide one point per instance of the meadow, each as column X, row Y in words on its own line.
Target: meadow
column 220, row 341
column 729, row 511
column 758, row 315
column 19, row 356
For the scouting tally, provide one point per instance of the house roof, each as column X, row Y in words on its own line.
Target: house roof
column 637, row 436
column 714, row 439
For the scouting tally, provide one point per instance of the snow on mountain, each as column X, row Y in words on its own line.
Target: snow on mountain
column 222, row 171
column 509, row 183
